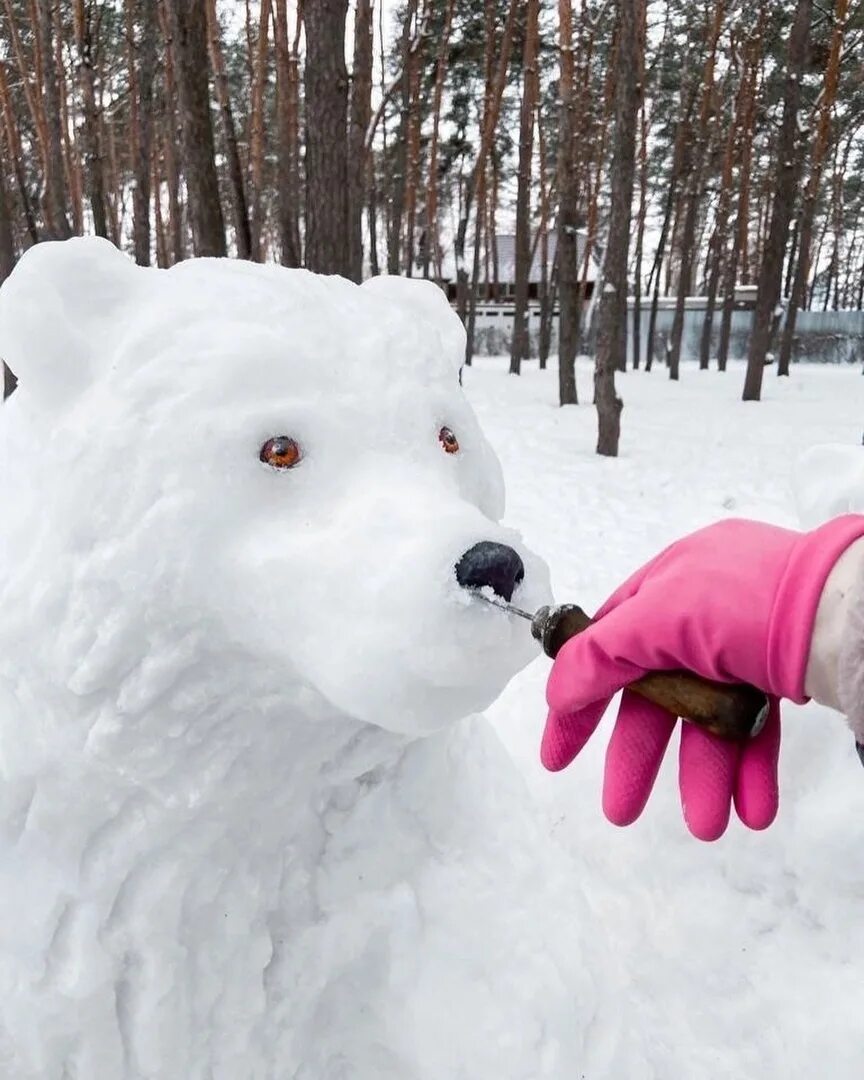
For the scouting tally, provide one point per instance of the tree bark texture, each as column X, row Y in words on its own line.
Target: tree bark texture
column 433, row 243
column 568, row 214
column 7, row 264
column 719, row 238
column 476, row 181
column 519, row 347
column 188, row 24
column 288, row 152
column 612, row 316
column 257, row 139
column 693, row 193
column 360, row 115
column 328, row 250
column 808, row 210
column 785, row 184
column 141, row 89
column 242, row 230
column 412, row 145
column 13, row 147
column 55, row 187
column 400, row 160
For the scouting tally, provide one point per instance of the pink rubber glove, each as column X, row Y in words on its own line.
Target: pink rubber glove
column 735, row 602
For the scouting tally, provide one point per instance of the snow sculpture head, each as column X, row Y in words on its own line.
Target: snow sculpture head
column 134, row 443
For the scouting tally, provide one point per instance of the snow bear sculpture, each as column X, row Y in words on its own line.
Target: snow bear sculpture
column 246, row 831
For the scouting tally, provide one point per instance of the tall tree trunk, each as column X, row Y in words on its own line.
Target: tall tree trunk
column 288, row 153
column 71, row 157
column 359, row 116
column 7, row 263
column 400, row 164
column 792, row 261
column 432, row 223
column 162, row 259
column 242, row 229
column 520, row 342
column 13, row 144
column 475, row 183
column 785, row 183
column 493, row 287
column 808, row 210
column 112, row 182
column 654, row 280
column 612, row 317
column 170, row 135
column 479, row 226
column 568, row 214
column 679, row 154
column 547, row 299
column 257, row 133
column 55, row 188
column 175, row 207
column 739, row 238
column 374, row 265
column 188, row 23
column 8, row 255
column 694, row 192
column 817, row 258
column 477, row 178
column 596, row 148
column 719, row 238
column 141, row 91
column 643, row 205
column 412, row 144
column 372, row 220
column 31, row 84
column 327, row 234
column 837, row 217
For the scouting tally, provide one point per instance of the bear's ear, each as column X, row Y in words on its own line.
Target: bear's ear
column 427, row 302
column 61, row 310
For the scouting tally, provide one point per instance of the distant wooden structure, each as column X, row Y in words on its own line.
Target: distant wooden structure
column 496, row 285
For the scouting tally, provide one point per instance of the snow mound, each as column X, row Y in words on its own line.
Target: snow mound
column 248, row 828
column 829, row 481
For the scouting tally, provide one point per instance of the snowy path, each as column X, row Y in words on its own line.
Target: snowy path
column 745, row 958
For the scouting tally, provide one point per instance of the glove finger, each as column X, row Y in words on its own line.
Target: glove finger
column 633, row 757
column 566, row 733
column 707, row 767
column 757, row 795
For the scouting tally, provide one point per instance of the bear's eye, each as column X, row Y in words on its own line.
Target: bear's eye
column 448, row 440
column 281, row 452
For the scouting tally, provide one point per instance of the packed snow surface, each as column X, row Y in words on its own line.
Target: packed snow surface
column 743, row 959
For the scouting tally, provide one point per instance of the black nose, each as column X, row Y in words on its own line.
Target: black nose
column 490, row 564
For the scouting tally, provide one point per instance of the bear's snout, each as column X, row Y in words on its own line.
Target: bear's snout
column 495, row 565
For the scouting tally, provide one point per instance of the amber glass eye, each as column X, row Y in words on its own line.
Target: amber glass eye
column 448, row 440
column 280, row 453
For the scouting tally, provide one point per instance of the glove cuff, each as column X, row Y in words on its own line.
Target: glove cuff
column 797, row 599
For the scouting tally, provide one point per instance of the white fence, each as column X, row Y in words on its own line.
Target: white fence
column 835, row 337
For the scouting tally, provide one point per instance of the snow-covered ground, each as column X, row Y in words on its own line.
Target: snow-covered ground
column 744, row 958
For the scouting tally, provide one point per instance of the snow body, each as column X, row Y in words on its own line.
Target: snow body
column 246, row 829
